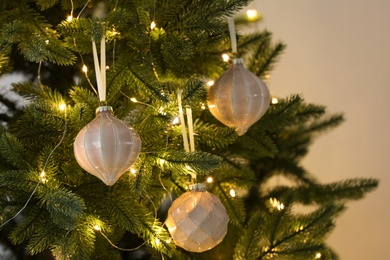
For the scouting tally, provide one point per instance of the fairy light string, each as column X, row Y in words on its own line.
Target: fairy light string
column 41, row 178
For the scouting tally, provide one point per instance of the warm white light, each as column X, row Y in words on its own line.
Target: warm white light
column 232, row 193
column 203, row 106
column 152, row 25
column 85, row 69
column 274, row 100
column 47, row 41
column 318, row 255
column 252, row 13
column 70, row 17
column 210, row 83
column 157, row 241
column 210, row 179
column 133, row 171
column 133, row 99
column 225, row 57
column 276, row 204
column 161, row 111
column 62, row 107
column 161, row 161
column 42, row 177
column 97, row 228
column 107, row 67
column 175, row 120
column 188, row 168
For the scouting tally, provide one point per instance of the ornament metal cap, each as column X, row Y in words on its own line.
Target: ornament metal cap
column 103, row 109
column 197, row 187
column 238, row 61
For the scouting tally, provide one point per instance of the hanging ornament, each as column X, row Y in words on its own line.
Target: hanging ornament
column 106, row 147
column 238, row 98
column 197, row 220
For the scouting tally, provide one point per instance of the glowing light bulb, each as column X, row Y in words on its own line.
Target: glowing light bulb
column 97, row 228
column 107, row 67
column 133, row 99
column 225, row 57
column 47, row 41
column 210, row 179
column 252, row 14
column 70, row 18
column 62, row 107
column 232, row 193
column 203, row 106
column 152, row 25
column 274, row 100
column 84, row 69
column 133, row 171
column 175, row 120
column 157, row 241
column 276, row 204
column 318, row 255
column 210, row 83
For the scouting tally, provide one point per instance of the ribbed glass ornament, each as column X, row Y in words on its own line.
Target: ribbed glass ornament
column 197, row 220
column 106, row 147
column 238, row 98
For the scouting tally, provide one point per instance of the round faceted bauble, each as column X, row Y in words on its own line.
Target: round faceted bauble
column 197, row 221
column 238, row 98
column 106, row 147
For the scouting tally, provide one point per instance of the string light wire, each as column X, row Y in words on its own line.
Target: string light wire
column 43, row 170
column 135, row 248
column 82, row 10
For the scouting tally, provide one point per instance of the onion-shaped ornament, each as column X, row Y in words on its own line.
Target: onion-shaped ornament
column 197, row 220
column 106, row 147
column 238, row 98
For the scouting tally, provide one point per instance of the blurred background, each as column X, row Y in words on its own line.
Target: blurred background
column 338, row 55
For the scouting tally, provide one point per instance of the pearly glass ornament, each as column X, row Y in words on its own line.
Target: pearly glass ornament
column 197, row 220
column 107, row 147
column 238, row 98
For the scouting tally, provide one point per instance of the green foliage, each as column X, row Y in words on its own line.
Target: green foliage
column 70, row 214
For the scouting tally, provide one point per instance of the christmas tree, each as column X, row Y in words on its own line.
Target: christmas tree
column 153, row 67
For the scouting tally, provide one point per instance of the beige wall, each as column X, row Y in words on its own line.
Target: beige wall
column 338, row 55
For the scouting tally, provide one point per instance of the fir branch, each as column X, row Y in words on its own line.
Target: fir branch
column 42, row 239
column 352, row 189
column 199, row 162
column 234, row 206
column 138, row 220
column 83, row 95
column 78, row 243
column 195, row 89
column 13, row 152
column 26, row 228
column 64, row 206
column 297, row 235
column 212, row 135
column 247, row 246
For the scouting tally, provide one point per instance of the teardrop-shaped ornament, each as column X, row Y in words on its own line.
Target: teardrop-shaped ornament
column 106, row 147
column 238, row 98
